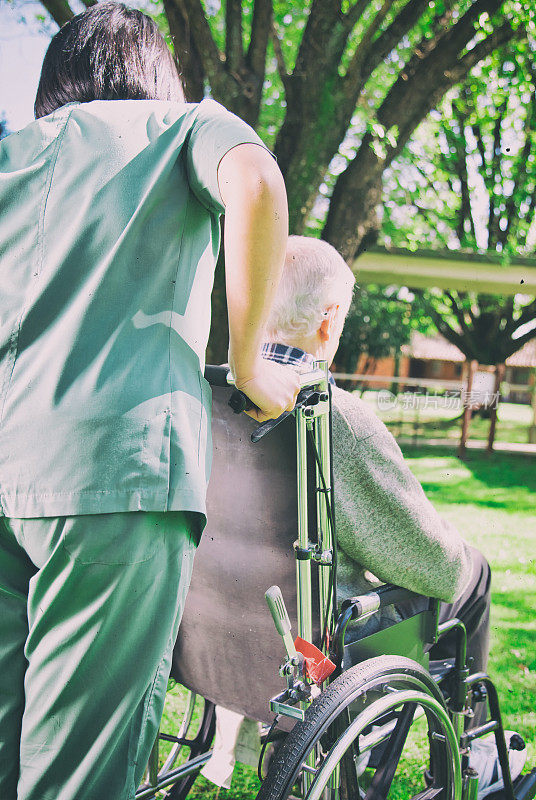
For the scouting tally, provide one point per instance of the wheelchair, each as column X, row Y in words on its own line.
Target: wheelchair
column 344, row 711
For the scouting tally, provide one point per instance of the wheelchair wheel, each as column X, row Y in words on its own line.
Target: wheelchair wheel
column 365, row 715
column 200, row 744
column 191, row 745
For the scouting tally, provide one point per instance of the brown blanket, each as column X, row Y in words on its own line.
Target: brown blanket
column 228, row 649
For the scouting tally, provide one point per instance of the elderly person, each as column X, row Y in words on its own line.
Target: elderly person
column 387, row 529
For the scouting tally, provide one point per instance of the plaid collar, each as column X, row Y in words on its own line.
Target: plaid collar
column 286, row 354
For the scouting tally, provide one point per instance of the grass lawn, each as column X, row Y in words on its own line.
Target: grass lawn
column 492, row 502
column 436, row 417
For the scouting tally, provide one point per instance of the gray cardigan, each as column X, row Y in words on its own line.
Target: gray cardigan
column 383, row 517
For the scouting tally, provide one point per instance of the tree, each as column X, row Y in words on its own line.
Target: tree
column 470, row 175
column 379, row 322
column 316, row 62
column 336, row 86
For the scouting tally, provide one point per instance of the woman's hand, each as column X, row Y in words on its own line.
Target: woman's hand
column 272, row 387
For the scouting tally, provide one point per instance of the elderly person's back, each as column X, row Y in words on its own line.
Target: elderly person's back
column 386, row 527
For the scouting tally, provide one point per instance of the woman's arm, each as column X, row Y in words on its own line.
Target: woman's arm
column 255, row 238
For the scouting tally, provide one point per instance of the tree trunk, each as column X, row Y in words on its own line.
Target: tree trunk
column 190, row 61
column 353, row 221
column 499, row 375
column 467, row 410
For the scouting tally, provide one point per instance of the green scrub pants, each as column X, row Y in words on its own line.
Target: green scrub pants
column 89, row 612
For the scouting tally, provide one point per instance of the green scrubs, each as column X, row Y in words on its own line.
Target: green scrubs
column 90, row 607
column 109, row 234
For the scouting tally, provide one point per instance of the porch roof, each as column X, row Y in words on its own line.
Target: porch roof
column 484, row 273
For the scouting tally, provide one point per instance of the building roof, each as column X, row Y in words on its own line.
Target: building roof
column 437, row 348
column 431, row 348
column 526, row 357
column 446, row 269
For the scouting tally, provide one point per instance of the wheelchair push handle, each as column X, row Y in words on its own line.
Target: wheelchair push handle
column 270, row 424
column 221, row 376
column 239, row 401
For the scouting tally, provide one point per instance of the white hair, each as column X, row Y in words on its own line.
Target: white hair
column 315, row 277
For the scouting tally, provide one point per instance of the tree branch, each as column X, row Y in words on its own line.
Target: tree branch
column 468, row 332
column 213, row 59
column 450, row 334
column 527, row 315
column 420, row 86
column 387, row 41
column 261, row 26
column 493, row 218
column 59, row 10
column 507, row 314
column 431, row 184
column 325, row 24
column 465, row 205
column 353, row 73
column 365, row 61
column 477, row 132
column 496, row 39
column 279, row 56
column 355, row 12
column 427, row 215
column 521, row 172
column 419, row 89
column 233, row 35
column 531, row 213
column 190, row 61
column 518, row 343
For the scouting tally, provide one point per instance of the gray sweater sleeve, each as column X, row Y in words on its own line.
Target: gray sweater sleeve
column 384, row 520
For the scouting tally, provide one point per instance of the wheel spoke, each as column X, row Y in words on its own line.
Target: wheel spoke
column 341, row 723
column 428, row 794
column 348, row 777
column 385, row 772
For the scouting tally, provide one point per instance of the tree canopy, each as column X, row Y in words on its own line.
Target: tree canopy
column 379, row 322
column 336, row 87
column 468, row 180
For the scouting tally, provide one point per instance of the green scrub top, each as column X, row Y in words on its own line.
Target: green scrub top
column 109, row 234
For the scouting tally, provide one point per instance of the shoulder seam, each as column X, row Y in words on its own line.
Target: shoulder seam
column 46, row 193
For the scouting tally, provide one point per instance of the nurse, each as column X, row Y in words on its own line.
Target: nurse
column 109, row 235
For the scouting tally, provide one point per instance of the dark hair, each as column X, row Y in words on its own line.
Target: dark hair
column 109, row 52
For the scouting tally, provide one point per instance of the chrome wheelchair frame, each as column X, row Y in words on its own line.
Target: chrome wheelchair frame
column 361, row 715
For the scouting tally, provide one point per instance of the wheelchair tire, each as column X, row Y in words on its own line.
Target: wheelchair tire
column 329, row 735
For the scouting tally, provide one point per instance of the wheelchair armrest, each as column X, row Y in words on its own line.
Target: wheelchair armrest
column 363, row 606
column 366, row 604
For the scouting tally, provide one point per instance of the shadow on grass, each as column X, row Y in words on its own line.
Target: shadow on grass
column 522, row 607
column 498, row 480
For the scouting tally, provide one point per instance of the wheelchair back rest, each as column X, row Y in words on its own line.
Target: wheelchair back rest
column 228, row 649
